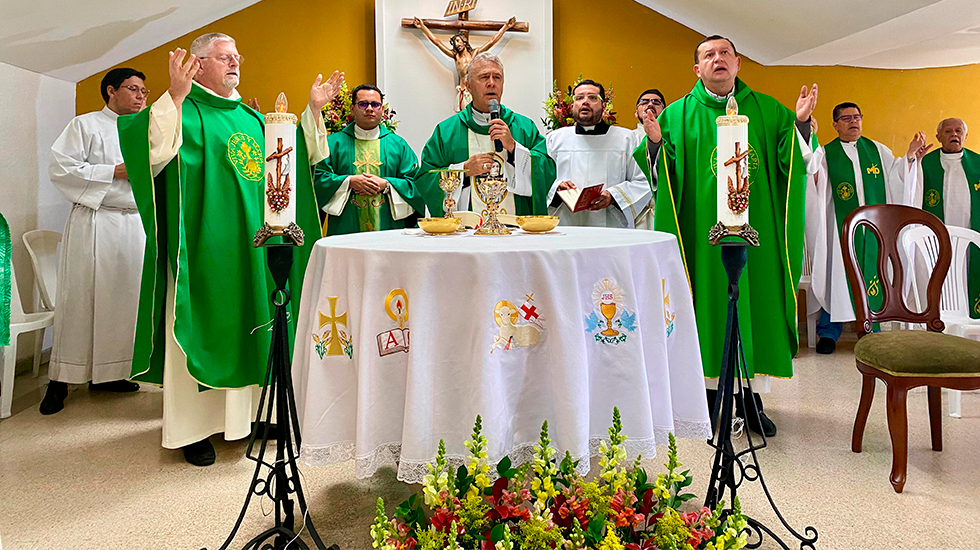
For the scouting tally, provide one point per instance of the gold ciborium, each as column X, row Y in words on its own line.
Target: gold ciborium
column 608, row 311
column 492, row 192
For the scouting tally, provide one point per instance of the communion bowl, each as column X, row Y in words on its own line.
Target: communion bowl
column 439, row 226
column 537, row 224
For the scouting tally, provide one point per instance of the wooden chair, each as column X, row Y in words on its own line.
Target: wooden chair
column 904, row 359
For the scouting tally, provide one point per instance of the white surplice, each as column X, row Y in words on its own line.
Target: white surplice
column 101, row 255
column 588, row 160
column 828, row 279
column 190, row 415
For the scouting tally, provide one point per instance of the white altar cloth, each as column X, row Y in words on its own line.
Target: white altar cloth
column 383, row 394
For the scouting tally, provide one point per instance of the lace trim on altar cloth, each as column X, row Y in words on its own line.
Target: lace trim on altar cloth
column 412, row 471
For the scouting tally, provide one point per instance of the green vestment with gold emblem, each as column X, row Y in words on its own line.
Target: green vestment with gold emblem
column 389, row 157
column 934, row 177
column 200, row 215
column 449, row 144
column 687, row 207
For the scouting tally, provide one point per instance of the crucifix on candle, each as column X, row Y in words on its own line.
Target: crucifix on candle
column 459, row 48
column 738, row 193
column 278, row 190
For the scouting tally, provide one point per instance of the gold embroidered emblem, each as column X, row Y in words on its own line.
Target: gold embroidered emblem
column 668, row 310
column 976, row 305
column 333, row 341
column 396, row 339
column 874, row 170
column 932, row 198
column 976, row 186
column 245, row 154
column 368, row 161
column 874, row 289
column 845, row 191
column 517, row 327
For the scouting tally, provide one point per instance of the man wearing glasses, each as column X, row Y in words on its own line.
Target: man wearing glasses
column 196, row 159
column 648, row 129
column 368, row 181
column 594, row 153
column 855, row 171
column 101, row 251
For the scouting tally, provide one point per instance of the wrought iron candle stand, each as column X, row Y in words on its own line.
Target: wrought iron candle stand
column 730, row 468
column 278, row 481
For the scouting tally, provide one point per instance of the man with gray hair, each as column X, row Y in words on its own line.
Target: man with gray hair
column 950, row 189
column 196, row 162
column 487, row 138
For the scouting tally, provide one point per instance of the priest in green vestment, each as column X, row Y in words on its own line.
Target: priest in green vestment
column 368, row 181
column 195, row 159
column 854, row 171
column 466, row 141
column 687, row 207
column 950, row 189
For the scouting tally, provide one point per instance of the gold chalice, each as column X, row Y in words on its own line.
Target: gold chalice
column 609, row 311
column 492, row 192
column 449, row 182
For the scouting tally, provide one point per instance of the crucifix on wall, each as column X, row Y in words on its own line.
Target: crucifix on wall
column 458, row 47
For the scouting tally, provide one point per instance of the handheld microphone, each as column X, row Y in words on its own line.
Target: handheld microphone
column 494, row 115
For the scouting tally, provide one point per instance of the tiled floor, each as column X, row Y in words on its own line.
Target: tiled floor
column 95, row 477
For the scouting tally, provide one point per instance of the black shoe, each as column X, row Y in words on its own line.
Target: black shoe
column 273, row 430
column 760, row 424
column 200, row 453
column 54, row 397
column 826, row 345
column 117, row 386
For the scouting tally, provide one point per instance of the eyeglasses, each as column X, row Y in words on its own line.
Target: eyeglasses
column 365, row 104
column 137, row 90
column 226, row 58
column 650, row 101
column 849, row 118
column 590, row 97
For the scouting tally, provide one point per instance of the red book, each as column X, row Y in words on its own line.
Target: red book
column 579, row 199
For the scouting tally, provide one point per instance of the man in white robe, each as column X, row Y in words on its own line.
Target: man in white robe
column 591, row 153
column 956, row 196
column 101, row 250
column 858, row 162
column 190, row 416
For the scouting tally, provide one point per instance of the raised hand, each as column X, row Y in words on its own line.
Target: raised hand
column 511, row 22
column 182, row 74
column 323, row 92
column 254, row 103
column 651, row 126
column 917, row 147
column 806, row 103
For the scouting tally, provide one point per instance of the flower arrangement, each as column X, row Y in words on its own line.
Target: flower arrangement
column 546, row 504
column 558, row 107
column 338, row 113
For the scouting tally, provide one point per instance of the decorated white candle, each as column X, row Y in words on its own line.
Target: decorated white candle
column 279, row 184
column 733, row 166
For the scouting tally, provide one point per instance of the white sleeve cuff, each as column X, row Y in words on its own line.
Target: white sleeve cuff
column 399, row 208
column 315, row 132
column 339, row 200
column 522, row 172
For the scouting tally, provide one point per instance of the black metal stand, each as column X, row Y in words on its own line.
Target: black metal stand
column 282, row 479
column 729, row 470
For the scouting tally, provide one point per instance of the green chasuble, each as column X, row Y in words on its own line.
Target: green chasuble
column 6, row 272
column 687, row 207
column 200, row 215
column 840, row 176
column 449, row 144
column 932, row 201
column 390, row 157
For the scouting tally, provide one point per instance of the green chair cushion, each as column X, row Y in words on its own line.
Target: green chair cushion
column 919, row 353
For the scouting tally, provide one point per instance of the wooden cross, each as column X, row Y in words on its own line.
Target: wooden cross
column 737, row 160
column 463, row 24
column 333, row 348
column 278, row 156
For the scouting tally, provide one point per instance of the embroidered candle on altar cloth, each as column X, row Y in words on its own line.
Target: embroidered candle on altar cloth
column 280, row 166
column 733, row 166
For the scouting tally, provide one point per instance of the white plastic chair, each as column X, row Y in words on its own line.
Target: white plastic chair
column 42, row 246
column 806, row 279
column 20, row 323
column 954, row 309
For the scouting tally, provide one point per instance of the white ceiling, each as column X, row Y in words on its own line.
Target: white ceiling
column 885, row 34
column 72, row 39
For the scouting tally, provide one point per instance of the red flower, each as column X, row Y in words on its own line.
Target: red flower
column 443, row 519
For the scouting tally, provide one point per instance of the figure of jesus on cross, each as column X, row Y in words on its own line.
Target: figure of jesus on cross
column 278, row 190
column 738, row 193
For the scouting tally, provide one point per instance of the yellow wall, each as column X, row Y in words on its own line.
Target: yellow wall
column 631, row 47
